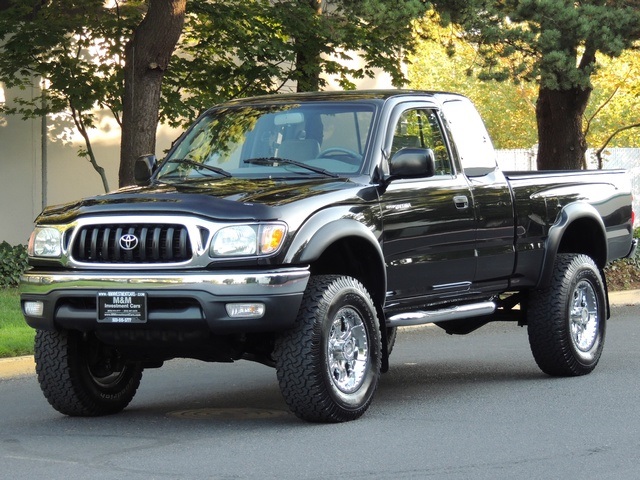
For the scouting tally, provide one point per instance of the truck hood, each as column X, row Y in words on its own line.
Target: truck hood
column 225, row 200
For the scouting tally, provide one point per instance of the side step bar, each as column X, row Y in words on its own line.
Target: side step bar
column 441, row 315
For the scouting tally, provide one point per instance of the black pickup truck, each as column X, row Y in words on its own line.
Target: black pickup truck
column 300, row 231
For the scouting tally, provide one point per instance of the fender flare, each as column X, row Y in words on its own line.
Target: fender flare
column 324, row 229
column 567, row 216
column 319, row 232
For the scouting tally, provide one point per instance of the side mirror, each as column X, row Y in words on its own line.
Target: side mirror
column 413, row 162
column 144, row 168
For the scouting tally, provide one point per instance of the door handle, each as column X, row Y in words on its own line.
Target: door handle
column 461, row 202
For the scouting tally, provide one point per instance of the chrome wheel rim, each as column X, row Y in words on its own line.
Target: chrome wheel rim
column 104, row 375
column 107, row 381
column 584, row 319
column 347, row 350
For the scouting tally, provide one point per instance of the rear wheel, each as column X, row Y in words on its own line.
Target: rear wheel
column 567, row 320
column 80, row 376
column 328, row 365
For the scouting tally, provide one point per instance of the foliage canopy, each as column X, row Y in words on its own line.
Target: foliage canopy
column 445, row 60
column 241, row 48
column 555, row 44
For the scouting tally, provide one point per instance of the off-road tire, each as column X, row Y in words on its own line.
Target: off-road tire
column 567, row 320
column 328, row 365
column 79, row 376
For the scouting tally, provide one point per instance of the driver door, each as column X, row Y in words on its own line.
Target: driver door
column 429, row 223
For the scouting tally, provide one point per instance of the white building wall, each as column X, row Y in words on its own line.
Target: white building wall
column 20, row 190
column 69, row 177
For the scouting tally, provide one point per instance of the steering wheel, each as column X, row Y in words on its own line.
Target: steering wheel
column 332, row 151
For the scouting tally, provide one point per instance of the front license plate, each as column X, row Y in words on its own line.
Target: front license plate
column 122, row 307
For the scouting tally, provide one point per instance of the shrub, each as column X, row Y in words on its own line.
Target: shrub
column 13, row 263
column 624, row 274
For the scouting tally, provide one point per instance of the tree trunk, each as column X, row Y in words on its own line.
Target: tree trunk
column 307, row 71
column 561, row 141
column 147, row 56
column 308, row 57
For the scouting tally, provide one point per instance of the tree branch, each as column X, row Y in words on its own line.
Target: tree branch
column 600, row 108
column 601, row 149
column 82, row 128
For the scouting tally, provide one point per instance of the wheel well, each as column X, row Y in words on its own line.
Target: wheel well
column 585, row 236
column 356, row 258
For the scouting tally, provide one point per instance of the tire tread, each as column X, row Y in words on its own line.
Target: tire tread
column 298, row 352
column 57, row 359
column 548, row 329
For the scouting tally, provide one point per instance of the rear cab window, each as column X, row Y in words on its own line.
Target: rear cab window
column 470, row 136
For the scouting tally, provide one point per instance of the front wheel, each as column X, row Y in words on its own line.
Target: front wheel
column 80, row 376
column 567, row 320
column 328, row 365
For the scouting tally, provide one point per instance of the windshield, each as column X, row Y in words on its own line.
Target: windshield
column 266, row 141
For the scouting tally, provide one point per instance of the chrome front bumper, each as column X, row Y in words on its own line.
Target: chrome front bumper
column 200, row 298
column 228, row 283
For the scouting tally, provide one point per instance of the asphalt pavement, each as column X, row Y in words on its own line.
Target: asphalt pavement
column 20, row 366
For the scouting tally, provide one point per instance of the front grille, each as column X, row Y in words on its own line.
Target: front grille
column 132, row 244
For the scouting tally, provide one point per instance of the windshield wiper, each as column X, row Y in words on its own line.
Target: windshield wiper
column 197, row 165
column 275, row 161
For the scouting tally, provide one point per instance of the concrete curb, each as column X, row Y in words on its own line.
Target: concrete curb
column 17, row 367
column 23, row 366
column 624, row 298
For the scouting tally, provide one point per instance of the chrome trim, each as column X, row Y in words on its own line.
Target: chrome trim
column 441, row 315
column 128, row 241
column 457, row 285
column 273, row 282
column 199, row 259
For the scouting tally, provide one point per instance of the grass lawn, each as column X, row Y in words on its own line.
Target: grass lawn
column 16, row 337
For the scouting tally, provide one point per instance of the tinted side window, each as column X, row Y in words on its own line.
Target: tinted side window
column 471, row 137
column 420, row 128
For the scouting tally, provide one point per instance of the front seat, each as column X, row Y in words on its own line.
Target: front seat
column 300, row 150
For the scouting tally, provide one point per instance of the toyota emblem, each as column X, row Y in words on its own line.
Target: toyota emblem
column 128, row 241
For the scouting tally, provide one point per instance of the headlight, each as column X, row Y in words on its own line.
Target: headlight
column 229, row 241
column 246, row 240
column 45, row 242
